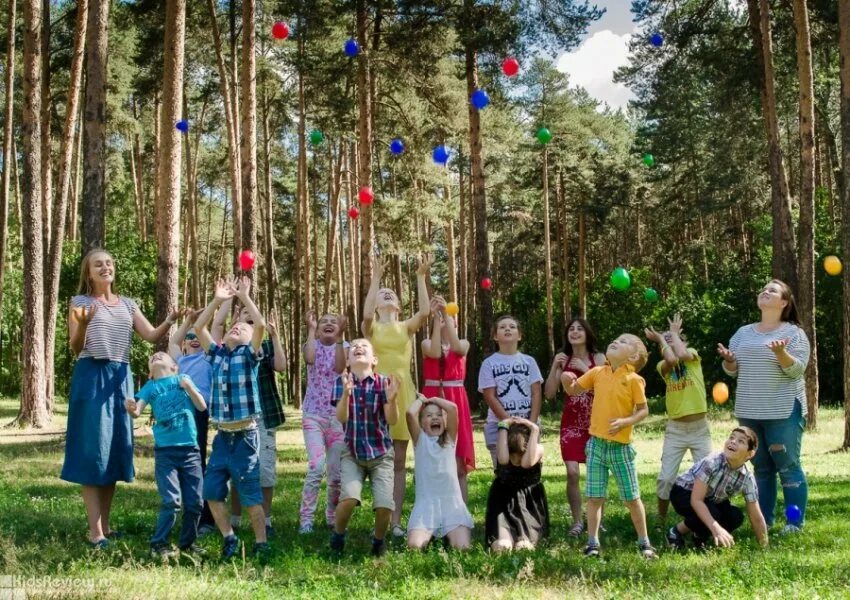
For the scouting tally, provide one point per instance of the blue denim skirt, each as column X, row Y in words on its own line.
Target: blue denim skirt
column 99, row 441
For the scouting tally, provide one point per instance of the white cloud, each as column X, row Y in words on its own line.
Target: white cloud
column 593, row 63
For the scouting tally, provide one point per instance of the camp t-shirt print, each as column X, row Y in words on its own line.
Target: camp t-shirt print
column 512, row 376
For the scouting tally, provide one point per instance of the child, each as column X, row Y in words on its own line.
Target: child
column 367, row 404
column 702, row 495
column 517, row 511
column 235, row 408
column 510, row 381
column 687, row 427
column 444, row 369
column 578, row 356
column 618, row 404
column 177, row 459
column 323, row 435
column 390, row 338
column 439, row 509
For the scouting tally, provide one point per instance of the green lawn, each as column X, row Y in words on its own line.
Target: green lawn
column 42, row 539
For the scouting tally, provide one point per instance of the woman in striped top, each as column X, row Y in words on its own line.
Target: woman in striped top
column 99, row 442
column 769, row 359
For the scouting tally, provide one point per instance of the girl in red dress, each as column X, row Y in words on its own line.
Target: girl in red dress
column 578, row 356
column 444, row 368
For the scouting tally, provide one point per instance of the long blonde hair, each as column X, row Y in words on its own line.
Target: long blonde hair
column 84, row 288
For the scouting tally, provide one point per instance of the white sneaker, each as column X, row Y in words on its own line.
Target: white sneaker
column 306, row 528
column 791, row 529
column 398, row 531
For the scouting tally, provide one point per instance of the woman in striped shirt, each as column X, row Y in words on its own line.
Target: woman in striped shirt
column 769, row 359
column 99, row 442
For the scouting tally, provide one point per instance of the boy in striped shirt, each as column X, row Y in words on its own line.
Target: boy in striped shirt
column 366, row 406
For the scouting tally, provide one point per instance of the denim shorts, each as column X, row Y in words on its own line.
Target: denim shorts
column 235, row 457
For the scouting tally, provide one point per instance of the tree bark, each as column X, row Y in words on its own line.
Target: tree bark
column 8, row 130
column 364, row 146
column 806, row 250
column 582, row 264
column 46, row 155
column 547, row 251
column 94, row 119
column 73, row 230
column 170, row 151
column 564, row 234
column 33, row 405
column 844, row 110
column 248, row 146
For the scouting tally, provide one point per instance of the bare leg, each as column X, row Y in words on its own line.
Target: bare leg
column 417, row 539
column 268, row 495
column 106, row 493
column 663, row 505
column 258, row 522
column 91, row 499
column 382, row 522
column 638, row 515
column 462, row 479
column 235, row 504
column 594, row 514
column 504, row 543
column 222, row 517
column 344, row 510
column 460, row 538
column 573, row 491
column 400, row 479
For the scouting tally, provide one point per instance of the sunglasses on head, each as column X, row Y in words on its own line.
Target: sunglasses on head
column 190, row 337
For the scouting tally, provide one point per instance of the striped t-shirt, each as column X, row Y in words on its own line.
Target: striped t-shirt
column 765, row 389
column 110, row 332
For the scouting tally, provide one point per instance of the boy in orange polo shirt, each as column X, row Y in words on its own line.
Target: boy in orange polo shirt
column 619, row 403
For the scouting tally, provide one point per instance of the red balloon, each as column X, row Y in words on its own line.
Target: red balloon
column 246, row 260
column 486, row 283
column 280, row 31
column 366, row 195
column 510, row 66
column 353, row 212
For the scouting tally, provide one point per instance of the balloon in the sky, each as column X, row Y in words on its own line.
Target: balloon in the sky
column 480, row 99
column 366, row 195
column 352, row 48
column 793, row 514
column 246, row 260
column 656, row 39
column 397, row 146
column 648, row 160
column 316, row 137
column 510, row 66
column 620, row 279
column 452, row 309
column 441, row 155
column 182, row 126
column 650, row 295
column 832, row 265
column 280, row 30
column 486, row 283
column 720, row 392
column 544, row 136
column 353, row 212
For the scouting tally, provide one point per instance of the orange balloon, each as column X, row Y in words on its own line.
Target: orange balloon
column 452, row 309
column 832, row 265
column 720, row 392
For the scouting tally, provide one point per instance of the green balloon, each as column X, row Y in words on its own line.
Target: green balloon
column 648, row 160
column 620, row 279
column 544, row 136
column 316, row 137
column 650, row 295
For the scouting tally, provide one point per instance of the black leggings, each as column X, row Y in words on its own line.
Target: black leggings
column 202, row 424
column 730, row 517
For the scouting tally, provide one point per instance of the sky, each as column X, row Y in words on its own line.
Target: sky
column 605, row 48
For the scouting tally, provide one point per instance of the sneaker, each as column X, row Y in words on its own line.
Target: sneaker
column 398, row 531
column 206, row 529
column 591, row 551
column 230, row 547
column 337, row 542
column 269, row 532
column 675, row 539
column 379, row 548
column 163, row 551
column 194, row 550
column 262, row 551
column 648, row 552
column 791, row 529
column 305, row 529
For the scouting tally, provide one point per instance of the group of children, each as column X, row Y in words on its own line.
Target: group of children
column 361, row 409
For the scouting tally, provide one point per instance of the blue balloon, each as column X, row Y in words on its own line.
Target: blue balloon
column 480, row 99
column 441, row 155
column 656, row 39
column 397, row 146
column 352, row 48
column 182, row 126
column 793, row 514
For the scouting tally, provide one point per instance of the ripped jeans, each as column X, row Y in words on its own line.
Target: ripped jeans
column 325, row 441
column 780, row 442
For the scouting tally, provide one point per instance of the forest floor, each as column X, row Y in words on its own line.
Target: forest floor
column 43, row 550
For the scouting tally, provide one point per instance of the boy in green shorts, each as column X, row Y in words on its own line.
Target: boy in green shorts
column 619, row 403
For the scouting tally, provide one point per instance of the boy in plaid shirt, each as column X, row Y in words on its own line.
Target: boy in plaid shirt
column 366, row 405
column 619, row 403
column 235, row 408
column 702, row 495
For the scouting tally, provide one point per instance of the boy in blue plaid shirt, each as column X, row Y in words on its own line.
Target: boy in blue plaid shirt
column 234, row 409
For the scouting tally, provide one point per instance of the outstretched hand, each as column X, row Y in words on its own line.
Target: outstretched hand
column 310, row 319
column 676, row 325
column 341, row 326
column 424, row 266
column 653, row 335
column 224, row 289
column 393, row 386
column 726, row 354
column 84, row 316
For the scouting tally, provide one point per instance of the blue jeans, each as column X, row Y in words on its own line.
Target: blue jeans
column 235, row 457
column 780, row 441
column 178, row 478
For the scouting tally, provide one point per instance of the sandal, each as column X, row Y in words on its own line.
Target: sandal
column 398, row 531
column 576, row 530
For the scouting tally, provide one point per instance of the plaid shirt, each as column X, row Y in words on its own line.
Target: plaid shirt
column 235, row 395
column 366, row 432
column 269, row 397
column 722, row 481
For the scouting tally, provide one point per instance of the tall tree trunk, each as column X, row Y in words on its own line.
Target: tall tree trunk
column 8, row 130
column 171, row 146
column 94, row 119
column 60, row 203
column 566, row 291
column 248, row 146
column 268, row 224
column 73, row 230
column 464, row 236
column 784, row 255
column 806, row 251
column 844, row 110
column 334, row 193
column 46, row 154
column 547, row 252
column 33, row 406
column 582, row 264
column 193, row 224
column 364, row 146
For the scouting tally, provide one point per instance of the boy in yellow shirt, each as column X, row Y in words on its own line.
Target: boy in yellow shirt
column 619, row 403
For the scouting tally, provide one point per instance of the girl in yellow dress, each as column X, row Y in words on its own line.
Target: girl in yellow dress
column 391, row 339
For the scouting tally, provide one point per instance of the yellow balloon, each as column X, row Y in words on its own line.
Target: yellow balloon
column 720, row 392
column 832, row 265
column 452, row 309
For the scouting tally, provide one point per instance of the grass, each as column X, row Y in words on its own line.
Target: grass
column 42, row 538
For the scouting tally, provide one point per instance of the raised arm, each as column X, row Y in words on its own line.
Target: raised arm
column 310, row 344
column 78, row 321
column 677, row 344
column 553, row 380
column 433, row 347
column 176, row 340
column 148, row 332
column 371, row 300
column 503, row 455
column 223, row 292
column 421, row 316
column 242, row 292
column 339, row 353
column 279, row 352
column 451, row 415
column 412, row 416
column 570, row 383
column 220, row 319
column 458, row 346
column 667, row 353
column 533, row 450
column 194, row 394
column 347, row 388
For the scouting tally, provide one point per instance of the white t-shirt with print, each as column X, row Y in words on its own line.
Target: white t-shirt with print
column 512, row 375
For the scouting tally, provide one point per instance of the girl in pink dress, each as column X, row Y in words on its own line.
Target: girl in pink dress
column 578, row 356
column 444, row 367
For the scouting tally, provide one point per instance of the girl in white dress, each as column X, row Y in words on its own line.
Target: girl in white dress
column 439, row 510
